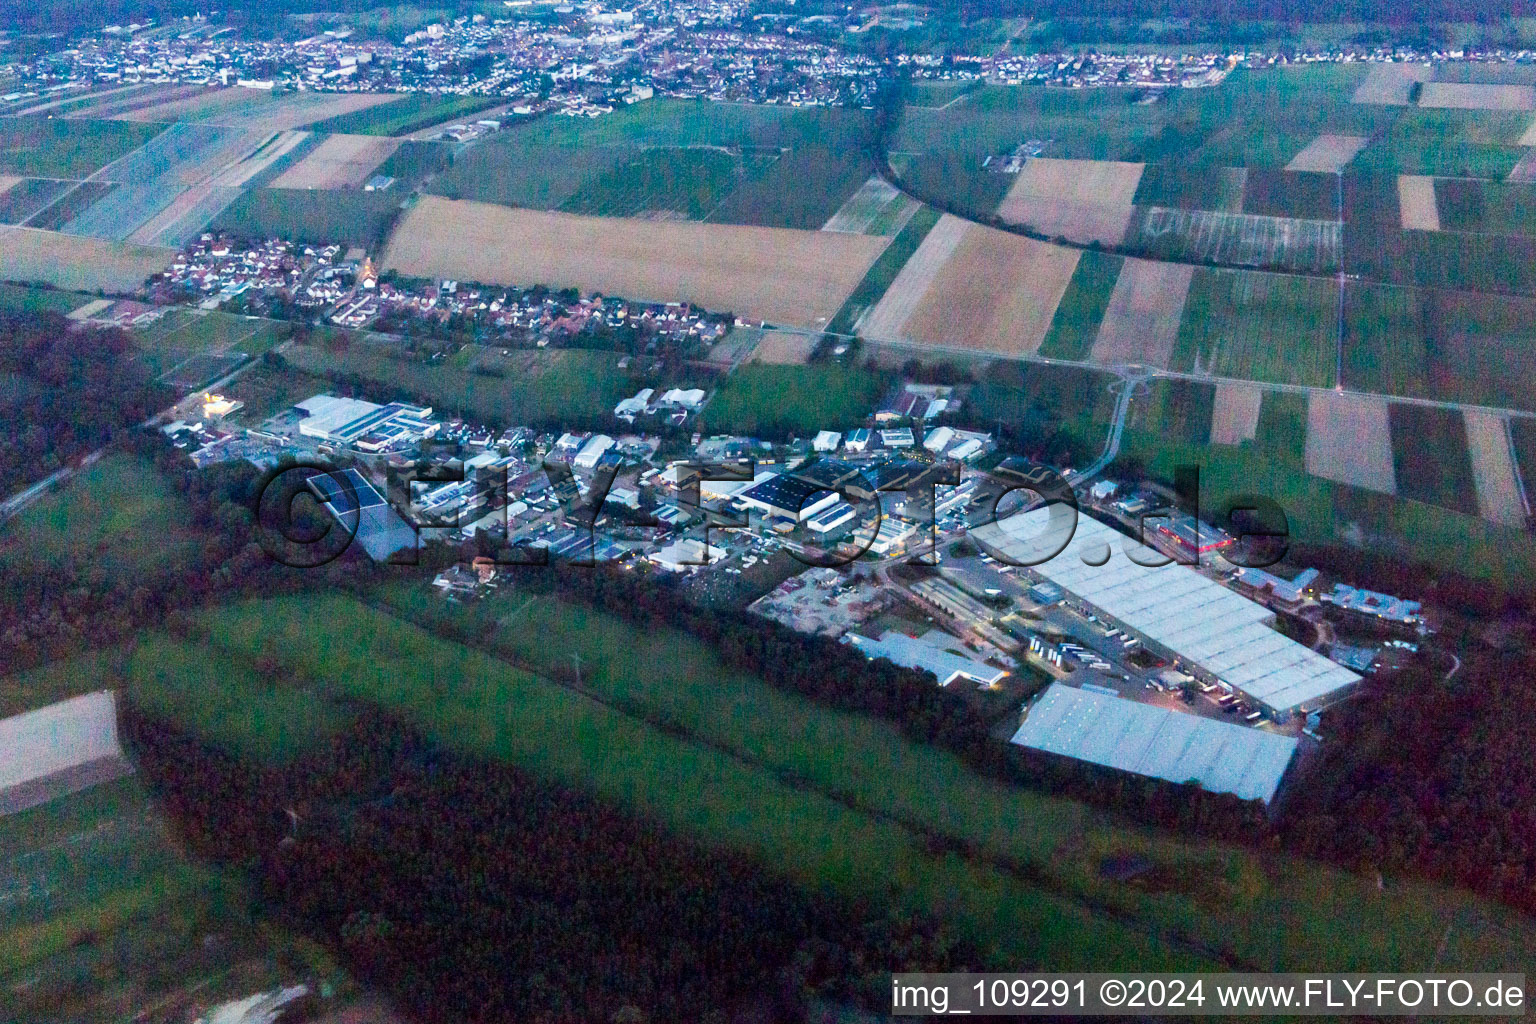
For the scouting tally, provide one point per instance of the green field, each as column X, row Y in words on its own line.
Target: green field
column 408, row 114
column 1192, row 187
column 1486, row 207
column 1384, row 347
column 773, row 401
column 111, row 521
column 1082, row 306
column 21, row 297
column 1275, row 328
column 44, row 147
column 70, row 205
column 1176, row 409
column 1430, row 457
column 567, row 387
column 104, row 916
column 1449, row 143
column 312, row 216
column 30, row 196
column 1303, row 194
column 1481, row 348
column 182, row 333
column 730, row 162
column 835, row 799
column 884, row 270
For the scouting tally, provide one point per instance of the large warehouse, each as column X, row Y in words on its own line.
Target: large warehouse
column 1164, row 744
column 1215, row 634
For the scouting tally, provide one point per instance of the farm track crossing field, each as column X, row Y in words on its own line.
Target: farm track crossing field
column 1237, row 239
column 1430, row 457
column 29, row 196
column 1391, row 83
column 340, row 161
column 78, row 263
column 884, row 271
column 794, row 277
column 1349, row 440
column 1082, row 307
column 70, row 205
column 996, row 293
column 1416, row 198
column 1460, row 96
column 1525, row 170
column 182, row 221
column 1141, row 322
column 1275, row 328
column 1235, row 413
column 269, row 157
column 1499, row 498
column 1327, row 153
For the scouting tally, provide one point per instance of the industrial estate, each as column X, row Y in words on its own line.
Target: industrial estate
column 1069, row 497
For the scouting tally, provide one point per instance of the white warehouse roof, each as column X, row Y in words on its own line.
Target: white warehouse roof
column 1164, row 744
column 1175, row 607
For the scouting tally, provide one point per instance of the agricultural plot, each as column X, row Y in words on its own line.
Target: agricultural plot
column 1416, row 198
column 311, row 216
column 115, row 102
column 997, row 293
column 1179, row 410
column 1392, row 83
column 341, row 161
column 1185, row 186
column 1500, row 498
column 884, row 271
column 1082, row 307
column 70, row 205
column 1447, row 143
column 1482, row 348
column 259, row 109
column 279, row 150
column 400, row 115
column 1079, row 200
column 661, row 184
column 1430, row 457
column 1486, row 207
column 1384, row 347
column 782, row 401
column 869, row 204
column 1275, row 328
column 186, row 216
column 1525, row 169
column 784, row 348
column 1466, row 96
column 44, row 147
column 543, row 387
column 1327, row 153
column 1237, row 239
column 1235, row 413
column 1349, row 440
column 28, row 196
column 802, row 189
column 794, row 277
column 78, row 263
column 1268, row 192
column 1454, row 261
column 905, row 292
column 1141, row 322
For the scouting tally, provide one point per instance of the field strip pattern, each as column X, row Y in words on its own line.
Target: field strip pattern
column 1459, row 96
column 901, row 299
column 340, row 161
column 1525, row 168
column 859, row 211
column 799, row 278
column 267, row 154
column 1416, row 200
column 1235, row 413
column 1493, row 469
column 1240, row 239
column 1349, row 440
column 998, row 293
column 78, row 262
column 1141, row 322
column 1391, row 83
column 1327, row 153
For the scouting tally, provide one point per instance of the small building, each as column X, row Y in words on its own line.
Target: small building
column 831, row 518
column 378, row 183
column 592, row 451
column 827, row 441
column 686, row 555
column 901, row 437
column 631, row 407
column 858, row 441
column 918, row 653
column 1376, row 604
column 788, row 496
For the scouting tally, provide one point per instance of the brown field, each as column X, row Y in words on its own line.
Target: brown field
column 1390, row 83
column 777, row 274
column 1525, row 169
column 1082, row 200
column 1349, row 440
column 7, row 181
column 1416, row 198
column 341, row 161
column 256, row 108
column 911, row 284
column 78, row 262
column 1456, row 96
column 784, row 348
column 182, row 205
column 263, row 157
column 1235, row 414
column 1493, row 469
column 120, row 105
column 1528, row 137
column 997, row 293
column 1141, row 322
column 1327, row 153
